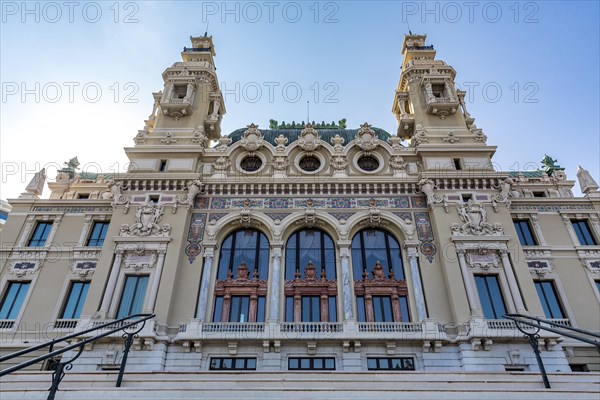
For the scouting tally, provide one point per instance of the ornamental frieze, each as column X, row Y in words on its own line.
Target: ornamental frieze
column 404, row 201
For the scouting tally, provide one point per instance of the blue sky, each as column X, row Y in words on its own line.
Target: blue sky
column 78, row 82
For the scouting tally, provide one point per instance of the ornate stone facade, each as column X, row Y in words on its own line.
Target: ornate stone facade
column 304, row 240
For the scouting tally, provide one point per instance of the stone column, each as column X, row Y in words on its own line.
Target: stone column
column 512, row 282
column 469, row 284
column 538, row 229
column 209, row 254
column 570, row 229
column 156, row 281
column 275, row 284
column 416, row 282
column 346, row 289
column 112, row 283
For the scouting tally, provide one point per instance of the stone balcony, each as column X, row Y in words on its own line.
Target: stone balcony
column 410, row 331
column 442, row 106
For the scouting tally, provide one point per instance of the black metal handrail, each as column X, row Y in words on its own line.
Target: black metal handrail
column 533, row 336
column 63, row 366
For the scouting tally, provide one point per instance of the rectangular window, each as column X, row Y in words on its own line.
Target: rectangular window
column 457, row 165
column 382, row 309
column 240, row 309
column 360, row 309
column 13, row 299
column 312, row 363
column 218, row 309
column 40, row 234
column 584, row 234
column 163, row 166
column 98, row 234
column 332, row 308
column 311, row 309
column 231, row 363
column 404, row 309
column 75, row 300
column 289, row 308
column 393, row 364
column 524, row 232
column 547, row 294
column 132, row 299
column 260, row 309
column 490, row 295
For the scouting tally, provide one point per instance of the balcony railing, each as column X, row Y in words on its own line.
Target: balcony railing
column 386, row 327
column 430, row 47
column 195, row 49
column 65, row 323
column 7, row 324
column 312, row 327
column 233, row 327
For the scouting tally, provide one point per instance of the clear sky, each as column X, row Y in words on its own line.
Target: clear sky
column 77, row 77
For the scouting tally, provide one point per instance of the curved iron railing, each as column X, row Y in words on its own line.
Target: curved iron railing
column 62, row 366
column 555, row 327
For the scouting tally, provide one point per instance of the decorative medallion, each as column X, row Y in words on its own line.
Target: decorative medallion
column 428, row 249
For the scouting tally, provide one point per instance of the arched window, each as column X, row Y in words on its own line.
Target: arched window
column 372, row 245
column 247, row 246
column 310, row 274
column 241, row 287
column 379, row 282
column 309, row 245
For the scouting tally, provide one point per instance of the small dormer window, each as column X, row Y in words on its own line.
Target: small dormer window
column 179, row 91
column 438, row 89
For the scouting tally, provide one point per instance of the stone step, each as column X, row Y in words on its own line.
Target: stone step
column 308, row 386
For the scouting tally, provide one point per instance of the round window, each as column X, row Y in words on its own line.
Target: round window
column 368, row 163
column 251, row 164
column 310, row 163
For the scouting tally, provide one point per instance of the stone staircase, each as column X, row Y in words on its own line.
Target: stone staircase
column 304, row 385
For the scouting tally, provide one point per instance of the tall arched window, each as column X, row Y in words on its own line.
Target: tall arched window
column 379, row 282
column 310, row 273
column 241, row 287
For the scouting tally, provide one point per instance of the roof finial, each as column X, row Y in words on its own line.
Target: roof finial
column 307, row 111
column 206, row 31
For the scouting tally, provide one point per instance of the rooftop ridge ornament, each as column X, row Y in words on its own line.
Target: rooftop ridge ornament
column 309, row 138
column 252, row 139
column 274, row 124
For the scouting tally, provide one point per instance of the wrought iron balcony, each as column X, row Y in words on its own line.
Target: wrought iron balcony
column 430, row 47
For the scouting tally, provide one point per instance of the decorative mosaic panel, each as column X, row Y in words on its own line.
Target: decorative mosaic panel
column 342, row 215
column 404, row 215
column 201, row 202
column 428, row 250
column 23, row 266
column 219, row 203
column 277, row 216
column 424, row 230
column 595, row 264
column 216, row 216
column 555, row 208
column 537, row 264
column 195, row 234
column 418, row 201
column 73, row 209
column 85, row 265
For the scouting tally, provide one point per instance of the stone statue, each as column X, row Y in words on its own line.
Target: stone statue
column 549, row 165
column 198, row 136
column 216, row 107
column 586, row 182
column 36, row 185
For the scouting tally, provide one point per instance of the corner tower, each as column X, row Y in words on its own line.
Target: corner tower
column 432, row 114
column 186, row 114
